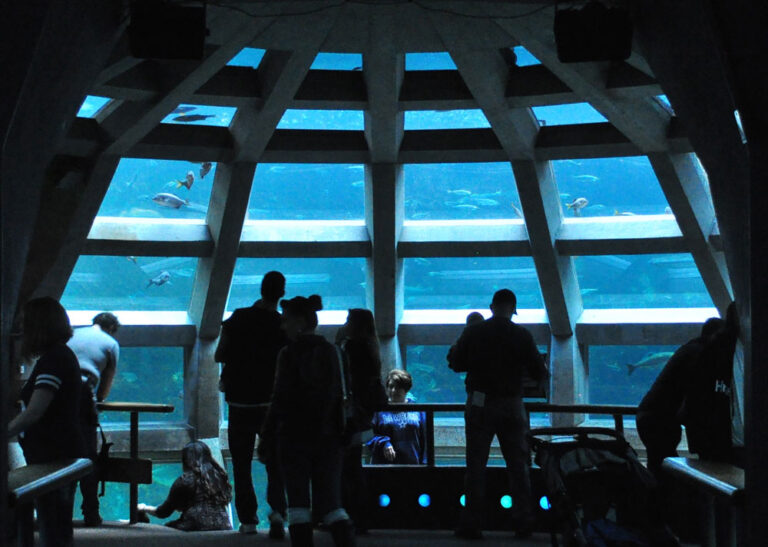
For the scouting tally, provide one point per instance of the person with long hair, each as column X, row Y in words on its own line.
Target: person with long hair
column 360, row 342
column 202, row 493
column 49, row 425
column 306, row 421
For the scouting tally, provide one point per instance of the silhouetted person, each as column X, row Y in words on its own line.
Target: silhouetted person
column 496, row 354
column 250, row 341
column 658, row 415
column 50, row 421
column 359, row 340
column 98, row 354
column 399, row 437
column 202, row 493
column 306, row 422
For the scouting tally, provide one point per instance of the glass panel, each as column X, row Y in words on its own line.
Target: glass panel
column 566, row 114
column 525, row 57
column 623, row 374
column 338, row 61
column 611, row 186
column 195, row 114
column 308, row 191
column 322, row 119
column 114, row 505
column 340, row 281
column 130, row 283
column 91, row 106
column 641, row 281
column 259, row 476
column 429, row 61
column 159, row 189
column 433, row 381
column 449, row 119
column 469, row 283
column 247, row 57
column 453, row 191
column 665, row 102
column 149, row 375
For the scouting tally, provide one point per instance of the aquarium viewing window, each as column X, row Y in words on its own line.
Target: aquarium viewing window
column 322, row 119
column 92, row 105
column 337, row 61
column 307, row 191
column 525, row 57
column 150, row 188
column 567, row 114
column 429, row 61
column 641, row 281
column 248, row 57
column 340, row 281
column 469, row 283
column 195, row 114
column 609, row 187
column 454, row 191
column 445, row 119
column 152, row 375
column 145, row 283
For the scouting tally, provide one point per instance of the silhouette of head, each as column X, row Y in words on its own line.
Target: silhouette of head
column 273, row 286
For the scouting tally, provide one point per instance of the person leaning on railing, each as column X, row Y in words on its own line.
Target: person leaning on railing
column 49, row 424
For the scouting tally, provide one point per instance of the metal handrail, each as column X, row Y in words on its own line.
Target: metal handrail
column 616, row 411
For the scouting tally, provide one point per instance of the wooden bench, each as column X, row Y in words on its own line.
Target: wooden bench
column 27, row 483
column 721, row 484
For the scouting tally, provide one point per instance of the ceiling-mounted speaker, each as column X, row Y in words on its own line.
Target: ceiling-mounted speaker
column 593, row 33
column 160, row 29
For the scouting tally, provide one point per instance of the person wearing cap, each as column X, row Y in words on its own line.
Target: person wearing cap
column 305, row 421
column 496, row 354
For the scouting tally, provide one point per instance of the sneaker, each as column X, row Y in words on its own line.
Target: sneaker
column 468, row 533
column 248, row 528
column 276, row 527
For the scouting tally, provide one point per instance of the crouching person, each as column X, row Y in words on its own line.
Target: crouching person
column 305, row 419
column 202, row 493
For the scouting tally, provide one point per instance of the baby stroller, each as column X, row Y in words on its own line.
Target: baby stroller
column 599, row 492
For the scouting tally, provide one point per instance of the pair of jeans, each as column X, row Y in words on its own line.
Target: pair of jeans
column 54, row 517
column 244, row 424
column 89, row 423
column 506, row 418
column 317, row 462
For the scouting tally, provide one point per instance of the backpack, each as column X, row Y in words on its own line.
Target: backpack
column 706, row 410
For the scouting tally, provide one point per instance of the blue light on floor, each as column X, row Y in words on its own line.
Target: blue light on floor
column 463, row 500
column 384, row 500
column 425, row 500
column 544, row 503
column 506, row 502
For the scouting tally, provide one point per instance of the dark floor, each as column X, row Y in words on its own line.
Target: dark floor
column 151, row 535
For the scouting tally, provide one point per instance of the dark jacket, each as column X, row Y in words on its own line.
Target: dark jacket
column 307, row 399
column 496, row 354
column 253, row 340
column 367, row 390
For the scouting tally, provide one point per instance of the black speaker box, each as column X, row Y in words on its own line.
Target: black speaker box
column 593, row 33
column 161, row 30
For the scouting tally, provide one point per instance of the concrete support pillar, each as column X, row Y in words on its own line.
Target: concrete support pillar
column 201, row 394
column 383, row 69
column 569, row 377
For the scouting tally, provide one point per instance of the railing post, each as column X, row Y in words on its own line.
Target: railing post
column 430, row 438
column 618, row 422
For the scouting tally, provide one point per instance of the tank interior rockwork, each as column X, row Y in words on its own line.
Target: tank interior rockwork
column 407, row 157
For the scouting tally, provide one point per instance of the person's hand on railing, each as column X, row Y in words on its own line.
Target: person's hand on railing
column 389, row 453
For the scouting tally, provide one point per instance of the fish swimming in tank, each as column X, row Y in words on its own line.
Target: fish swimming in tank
column 577, row 205
column 193, row 117
column 183, row 109
column 618, row 213
column 205, row 168
column 160, row 279
column 650, row 361
column 173, row 201
column 132, row 259
column 517, row 210
column 188, row 181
